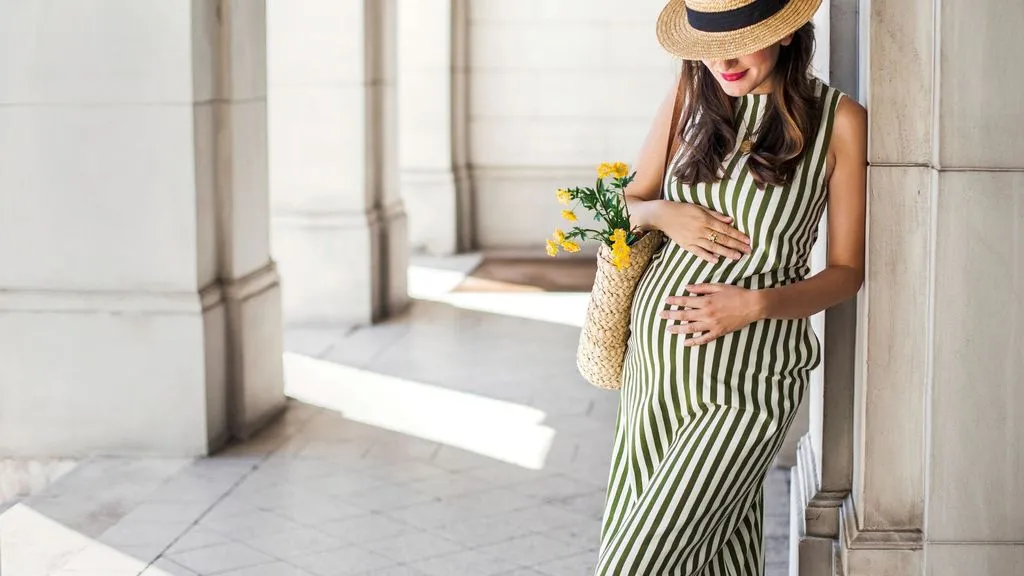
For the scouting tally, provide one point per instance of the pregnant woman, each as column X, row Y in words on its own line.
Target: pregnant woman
column 721, row 349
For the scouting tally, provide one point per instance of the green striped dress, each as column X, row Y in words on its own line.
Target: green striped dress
column 699, row 427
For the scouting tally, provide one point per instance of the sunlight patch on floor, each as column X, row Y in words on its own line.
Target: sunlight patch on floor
column 501, row 430
column 439, row 285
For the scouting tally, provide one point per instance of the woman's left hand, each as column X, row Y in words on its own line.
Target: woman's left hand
column 717, row 310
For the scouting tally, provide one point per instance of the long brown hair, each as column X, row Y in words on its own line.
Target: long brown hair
column 708, row 126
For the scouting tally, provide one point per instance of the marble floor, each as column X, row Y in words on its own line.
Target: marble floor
column 455, row 440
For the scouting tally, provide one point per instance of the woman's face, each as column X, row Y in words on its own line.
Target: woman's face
column 747, row 74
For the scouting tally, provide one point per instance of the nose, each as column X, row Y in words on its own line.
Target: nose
column 725, row 65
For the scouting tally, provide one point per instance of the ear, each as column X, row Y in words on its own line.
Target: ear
column 786, row 41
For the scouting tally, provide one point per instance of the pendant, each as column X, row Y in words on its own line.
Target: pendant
column 746, row 146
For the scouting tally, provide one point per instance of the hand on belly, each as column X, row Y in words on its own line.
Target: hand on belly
column 714, row 311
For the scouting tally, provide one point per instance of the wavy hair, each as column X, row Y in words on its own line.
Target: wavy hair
column 708, row 128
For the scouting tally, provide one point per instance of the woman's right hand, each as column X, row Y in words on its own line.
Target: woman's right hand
column 693, row 227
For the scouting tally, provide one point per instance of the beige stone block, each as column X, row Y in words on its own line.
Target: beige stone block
column 315, row 41
column 554, row 143
column 539, row 45
column 551, row 94
column 245, row 24
column 900, row 79
column 881, row 562
column 107, row 193
column 511, row 193
column 981, row 109
column 975, row 559
column 977, row 427
column 243, row 184
column 317, row 143
column 217, row 368
column 326, row 262
column 67, row 374
column 106, row 51
column 566, row 10
column 208, row 252
column 889, row 445
column 424, row 35
column 256, row 330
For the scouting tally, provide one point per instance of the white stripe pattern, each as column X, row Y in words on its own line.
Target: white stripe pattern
column 698, row 428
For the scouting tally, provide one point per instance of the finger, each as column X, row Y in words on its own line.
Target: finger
column 685, row 301
column 718, row 249
column 703, row 253
column 719, row 216
column 723, row 228
column 682, row 315
column 704, row 288
column 696, row 328
column 700, row 340
column 733, row 243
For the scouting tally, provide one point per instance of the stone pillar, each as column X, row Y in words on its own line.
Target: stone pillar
column 938, row 440
column 138, row 312
column 434, row 175
column 338, row 225
column 822, row 476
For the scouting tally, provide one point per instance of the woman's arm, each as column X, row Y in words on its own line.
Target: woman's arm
column 847, row 199
column 643, row 195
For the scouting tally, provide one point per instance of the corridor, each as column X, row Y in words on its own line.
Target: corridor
column 454, row 440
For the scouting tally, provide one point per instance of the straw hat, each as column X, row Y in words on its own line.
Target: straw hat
column 721, row 29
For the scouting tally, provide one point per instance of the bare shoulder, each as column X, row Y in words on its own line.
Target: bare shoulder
column 851, row 124
column 849, row 139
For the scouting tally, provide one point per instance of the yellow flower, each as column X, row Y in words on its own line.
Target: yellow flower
column 570, row 246
column 569, row 215
column 552, row 248
column 563, row 196
column 620, row 250
column 559, row 236
column 613, row 169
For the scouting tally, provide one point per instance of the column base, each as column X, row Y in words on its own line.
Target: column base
column 256, row 392
column 814, row 520
column 118, row 373
column 346, row 268
column 431, row 202
column 878, row 553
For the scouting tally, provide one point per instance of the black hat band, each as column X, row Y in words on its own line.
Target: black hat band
column 735, row 19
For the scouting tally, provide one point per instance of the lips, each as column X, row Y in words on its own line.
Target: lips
column 733, row 77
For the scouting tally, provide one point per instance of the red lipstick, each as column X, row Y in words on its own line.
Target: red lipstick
column 733, row 77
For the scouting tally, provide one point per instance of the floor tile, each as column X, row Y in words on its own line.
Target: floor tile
column 273, row 569
column 249, row 526
column 410, row 547
column 166, row 567
column 389, row 497
column 220, row 558
column 400, row 570
column 464, row 563
column 366, row 528
column 579, row 565
column 295, row 543
column 530, row 550
column 342, row 562
column 197, row 537
column 478, row 532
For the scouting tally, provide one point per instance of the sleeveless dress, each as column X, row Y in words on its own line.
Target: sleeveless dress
column 699, row 427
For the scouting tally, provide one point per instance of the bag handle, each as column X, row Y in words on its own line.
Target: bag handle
column 672, row 142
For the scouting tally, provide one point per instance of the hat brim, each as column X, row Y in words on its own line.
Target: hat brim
column 680, row 39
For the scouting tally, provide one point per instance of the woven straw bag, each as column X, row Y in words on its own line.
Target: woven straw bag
column 605, row 334
column 602, row 348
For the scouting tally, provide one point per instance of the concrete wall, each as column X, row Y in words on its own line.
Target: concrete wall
column 555, row 89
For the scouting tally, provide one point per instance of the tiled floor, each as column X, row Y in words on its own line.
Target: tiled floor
column 453, row 441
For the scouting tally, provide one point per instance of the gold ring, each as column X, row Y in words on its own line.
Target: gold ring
column 713, row 237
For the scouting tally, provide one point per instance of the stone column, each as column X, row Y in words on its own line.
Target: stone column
column 338, row 225
column 939, row 445
column 137, row 303
column 822, row 476
column 434, row 175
